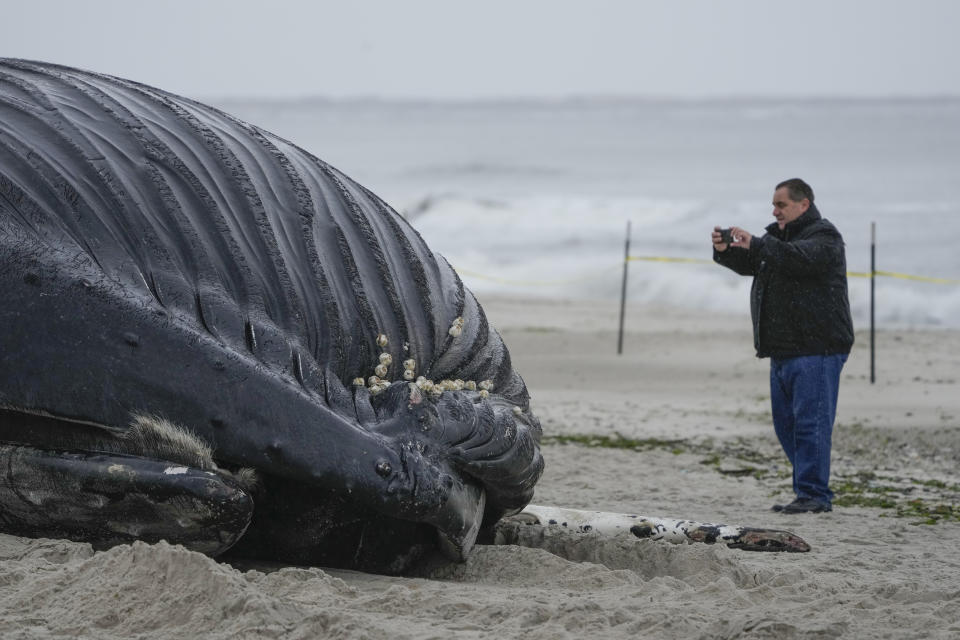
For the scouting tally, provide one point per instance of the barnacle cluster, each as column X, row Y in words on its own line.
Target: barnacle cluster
column 457, row 327
column 409, row 369
column 380, row 382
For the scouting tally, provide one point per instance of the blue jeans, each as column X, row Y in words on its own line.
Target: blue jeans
column 803, row 395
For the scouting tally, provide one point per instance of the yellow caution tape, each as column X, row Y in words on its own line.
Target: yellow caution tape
column 598, row 274
column 666, row 259
column 850, row 274
column 536, row 283
column 904, row 276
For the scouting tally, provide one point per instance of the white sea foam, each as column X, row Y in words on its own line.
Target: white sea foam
column 574, row 247
column 542, row 191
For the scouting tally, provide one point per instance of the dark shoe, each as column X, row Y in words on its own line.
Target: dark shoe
column 777, row 507
column 807, row 505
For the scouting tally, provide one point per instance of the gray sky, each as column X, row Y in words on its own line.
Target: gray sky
column 501, row 48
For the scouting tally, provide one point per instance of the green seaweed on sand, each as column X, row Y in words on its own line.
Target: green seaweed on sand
column 742, row 458
column 928, row 513
column 617, row 441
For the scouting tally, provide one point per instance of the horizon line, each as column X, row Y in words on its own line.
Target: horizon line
column 557, row 99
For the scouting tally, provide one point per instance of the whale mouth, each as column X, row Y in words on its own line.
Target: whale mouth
column 458, row 523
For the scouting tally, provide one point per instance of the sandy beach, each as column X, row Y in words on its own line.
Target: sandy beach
column 676, row 426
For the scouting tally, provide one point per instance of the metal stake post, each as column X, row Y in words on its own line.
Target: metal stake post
column 623, row 290
column 873, row 278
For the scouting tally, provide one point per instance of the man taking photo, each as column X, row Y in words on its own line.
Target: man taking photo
column 801, row 321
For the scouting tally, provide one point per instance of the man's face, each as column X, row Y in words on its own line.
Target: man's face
column 786, row 210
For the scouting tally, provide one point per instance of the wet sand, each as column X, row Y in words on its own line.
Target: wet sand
column 677, row 426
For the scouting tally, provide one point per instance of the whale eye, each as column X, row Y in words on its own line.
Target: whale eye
column 383, row 468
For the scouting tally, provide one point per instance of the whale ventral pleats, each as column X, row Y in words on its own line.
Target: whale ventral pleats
column 161, row 256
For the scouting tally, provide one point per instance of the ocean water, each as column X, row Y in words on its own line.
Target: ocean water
column 532, row 198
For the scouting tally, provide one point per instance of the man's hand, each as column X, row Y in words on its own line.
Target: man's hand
column 740, row 237
column 718, row 244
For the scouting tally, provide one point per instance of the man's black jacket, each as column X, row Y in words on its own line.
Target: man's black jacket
column 799, row 298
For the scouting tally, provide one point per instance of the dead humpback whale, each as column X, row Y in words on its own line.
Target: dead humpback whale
column 212, row 337
column 163, row 263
